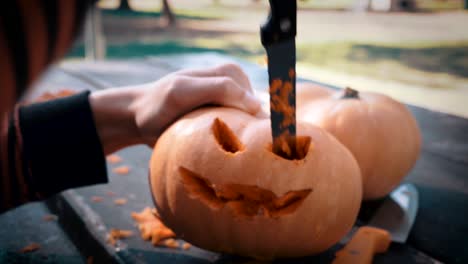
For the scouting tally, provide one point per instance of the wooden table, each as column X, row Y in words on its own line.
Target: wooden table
column 440, row 232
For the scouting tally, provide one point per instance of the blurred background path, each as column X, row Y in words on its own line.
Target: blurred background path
column 418, row 57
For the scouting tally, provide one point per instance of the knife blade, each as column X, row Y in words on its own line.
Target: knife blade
column 278, row 37
column 392, row 222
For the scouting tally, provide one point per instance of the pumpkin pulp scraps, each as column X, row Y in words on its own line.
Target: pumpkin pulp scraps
column 113, row 158
column 116, row 234
column 96, row 199
column 363, row 245
column 47, row 96
column 30, row 248
column 244, row 200
column 152, row 228
column 120, row 201
column 122, row 170
column 50, row 217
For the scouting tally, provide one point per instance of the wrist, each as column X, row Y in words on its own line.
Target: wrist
column 114, row 116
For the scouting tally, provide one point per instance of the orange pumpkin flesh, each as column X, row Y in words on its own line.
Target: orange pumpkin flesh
column 380, row 132
column 217, row 184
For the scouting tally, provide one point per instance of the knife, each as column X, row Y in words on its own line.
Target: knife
column 392, row 222
column 278, row 37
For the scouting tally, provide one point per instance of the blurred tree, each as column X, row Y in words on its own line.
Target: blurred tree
column 124, row 5
column 168, row 14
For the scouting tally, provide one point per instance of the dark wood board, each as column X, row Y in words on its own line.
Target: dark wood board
column 24, row 225
column 441, row 176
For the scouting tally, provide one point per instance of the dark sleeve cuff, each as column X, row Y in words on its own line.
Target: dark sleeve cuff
column 61, row 145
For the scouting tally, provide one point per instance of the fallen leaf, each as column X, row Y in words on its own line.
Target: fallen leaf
column 120, row 201
column 30, row 248
column 121, row 170
column 96, row 199
column 50, row 217
column 113, row 158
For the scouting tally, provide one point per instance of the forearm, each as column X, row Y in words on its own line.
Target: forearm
column 49, row 147
column 114, row 116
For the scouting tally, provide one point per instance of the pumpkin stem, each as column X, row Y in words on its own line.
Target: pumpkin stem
column 350, row 93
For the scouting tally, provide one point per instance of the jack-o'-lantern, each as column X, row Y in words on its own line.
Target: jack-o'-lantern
column 217, row 184
column 380, row 132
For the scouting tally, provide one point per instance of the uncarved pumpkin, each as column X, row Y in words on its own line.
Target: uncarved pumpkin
column 380, row 132
column 217, row 184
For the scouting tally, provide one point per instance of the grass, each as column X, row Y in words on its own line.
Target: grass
column 434, row 65
column 138, row 49
column 156, row 13
column 430, row 5
column 440, row 5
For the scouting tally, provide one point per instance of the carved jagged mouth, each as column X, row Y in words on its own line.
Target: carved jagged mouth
column 244, row 200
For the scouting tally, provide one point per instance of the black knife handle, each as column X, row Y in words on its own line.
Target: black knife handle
column 281, row 22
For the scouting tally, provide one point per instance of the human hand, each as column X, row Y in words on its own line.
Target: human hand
column 139, row 114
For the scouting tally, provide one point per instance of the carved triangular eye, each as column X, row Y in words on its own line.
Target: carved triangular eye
column 225, row 137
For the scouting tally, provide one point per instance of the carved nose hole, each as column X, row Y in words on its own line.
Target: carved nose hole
column 303, row 147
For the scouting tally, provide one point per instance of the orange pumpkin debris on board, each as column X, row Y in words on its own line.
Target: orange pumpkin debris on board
column 366, row 242
column 186, row 246
column 96, row 199
column 113, row 158
column 120, row 201
column 122, row 170
column 170, row 243
column 116, row 234
column 54, row 95
column 151, row 227
column 50, row 217
column 30, row 248
column 215, row 179
column 381, row 133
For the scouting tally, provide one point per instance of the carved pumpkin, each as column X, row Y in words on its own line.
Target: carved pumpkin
column 380, row 132
column 217, row 184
